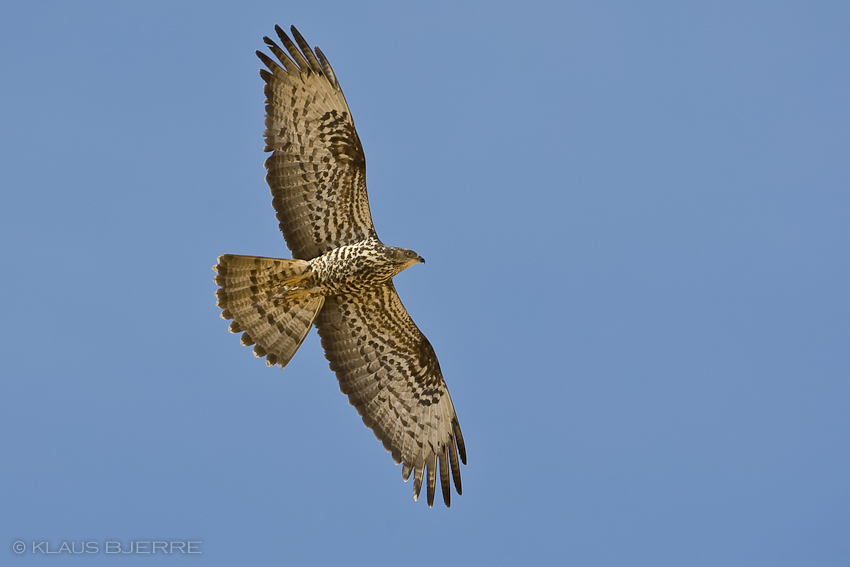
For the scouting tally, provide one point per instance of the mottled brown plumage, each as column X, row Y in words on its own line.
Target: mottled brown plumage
column 341, row 279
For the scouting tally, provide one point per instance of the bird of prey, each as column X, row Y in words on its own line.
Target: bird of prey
column 341, row 276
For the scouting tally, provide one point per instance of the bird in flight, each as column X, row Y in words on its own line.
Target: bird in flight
column 340, row 277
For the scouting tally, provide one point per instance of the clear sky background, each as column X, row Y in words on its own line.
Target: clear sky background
column 636, row 217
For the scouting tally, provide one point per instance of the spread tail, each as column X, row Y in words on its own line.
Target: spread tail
column 262, row 298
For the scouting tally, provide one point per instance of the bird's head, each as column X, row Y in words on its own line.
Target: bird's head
column 402, row 258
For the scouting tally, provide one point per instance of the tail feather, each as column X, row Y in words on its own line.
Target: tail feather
column 255, row 293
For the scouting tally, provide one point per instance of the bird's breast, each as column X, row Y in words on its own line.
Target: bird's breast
column 351, row 269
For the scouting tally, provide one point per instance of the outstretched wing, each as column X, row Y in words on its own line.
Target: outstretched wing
column 317, row 170
column 390, row 373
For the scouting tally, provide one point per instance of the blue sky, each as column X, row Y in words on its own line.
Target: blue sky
column 636, row 218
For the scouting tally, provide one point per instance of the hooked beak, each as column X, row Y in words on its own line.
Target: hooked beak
column 414, row 261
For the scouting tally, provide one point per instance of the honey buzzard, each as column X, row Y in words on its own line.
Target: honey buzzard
column 341, row 276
